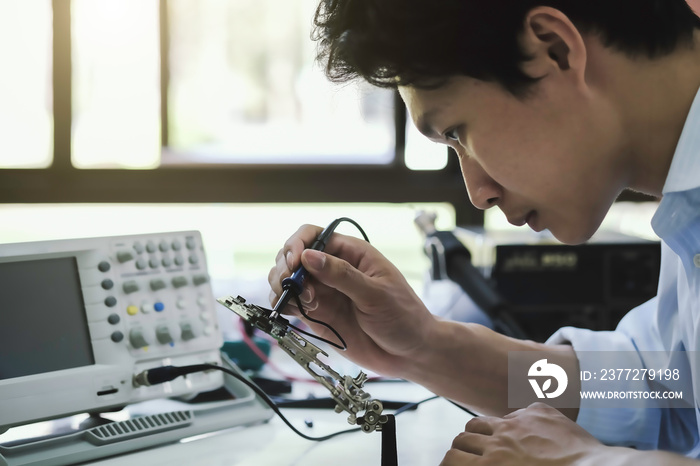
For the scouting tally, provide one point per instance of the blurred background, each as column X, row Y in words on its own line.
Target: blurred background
column 136, row 116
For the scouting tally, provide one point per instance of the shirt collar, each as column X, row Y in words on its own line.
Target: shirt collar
column 684, row 173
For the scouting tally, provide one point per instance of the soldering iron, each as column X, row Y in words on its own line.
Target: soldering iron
column 294, row 284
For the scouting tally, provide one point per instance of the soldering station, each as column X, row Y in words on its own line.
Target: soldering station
column 107, row 324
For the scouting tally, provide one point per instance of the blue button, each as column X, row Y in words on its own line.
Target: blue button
column 158, row 306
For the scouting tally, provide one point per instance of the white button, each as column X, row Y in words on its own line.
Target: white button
column 181, row 303
column 696, row 260
column 146, row 308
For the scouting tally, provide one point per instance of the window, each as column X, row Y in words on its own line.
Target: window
column 421, row 153
column 243, row 88
column 26, row 113
column 197, row 101
column 240, row 87
column 116, row 91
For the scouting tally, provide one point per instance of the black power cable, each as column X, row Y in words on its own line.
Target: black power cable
column 164, row 374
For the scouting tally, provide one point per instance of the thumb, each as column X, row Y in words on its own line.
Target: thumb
column 337, row 273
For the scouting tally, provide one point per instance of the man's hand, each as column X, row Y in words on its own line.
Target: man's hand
column 357, row 291
column 387, row 328
column 536, row 436
column 539, row 435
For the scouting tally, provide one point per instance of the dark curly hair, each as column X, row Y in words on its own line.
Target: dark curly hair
column 421, row 43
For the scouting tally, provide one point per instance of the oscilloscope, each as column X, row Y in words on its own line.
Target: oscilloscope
column 80, row 317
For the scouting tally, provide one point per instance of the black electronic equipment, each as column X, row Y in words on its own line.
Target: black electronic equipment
column 530, row 285
column 592, row 285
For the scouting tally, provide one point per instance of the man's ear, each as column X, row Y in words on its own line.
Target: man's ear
column 553, row 44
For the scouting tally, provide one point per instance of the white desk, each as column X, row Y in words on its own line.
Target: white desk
column 423, row 437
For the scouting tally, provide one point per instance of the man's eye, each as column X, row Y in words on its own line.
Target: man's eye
column 452, row 134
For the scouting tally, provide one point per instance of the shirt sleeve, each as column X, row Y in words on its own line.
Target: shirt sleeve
column 642, row 428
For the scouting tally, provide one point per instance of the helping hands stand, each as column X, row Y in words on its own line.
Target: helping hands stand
column 346, row 391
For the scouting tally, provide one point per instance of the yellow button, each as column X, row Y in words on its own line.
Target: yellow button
column 132, row 310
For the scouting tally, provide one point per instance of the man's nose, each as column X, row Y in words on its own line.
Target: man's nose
column 483, row 191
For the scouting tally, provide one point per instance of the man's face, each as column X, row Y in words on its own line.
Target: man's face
column 553, row 159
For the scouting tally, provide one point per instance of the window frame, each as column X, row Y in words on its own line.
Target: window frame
column 279, row 183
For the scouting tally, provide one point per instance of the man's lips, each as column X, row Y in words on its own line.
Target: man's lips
column 521, row 220
column 528, row 219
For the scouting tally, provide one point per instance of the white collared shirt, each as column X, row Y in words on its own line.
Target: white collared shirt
column 669, row 322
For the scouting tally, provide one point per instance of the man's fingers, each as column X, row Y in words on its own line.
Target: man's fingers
column 469, row 442
column 455, row 457
column 293, row 247
column 470, row 445
column 275, row 280
column 288, row 259
column 338, row 274
column 483, row 425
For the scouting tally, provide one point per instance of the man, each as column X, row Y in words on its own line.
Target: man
column 553, row 107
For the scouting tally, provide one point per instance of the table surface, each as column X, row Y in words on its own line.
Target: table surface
column 423, row 437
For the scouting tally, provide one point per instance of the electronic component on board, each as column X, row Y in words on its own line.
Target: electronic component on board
column 346, row 391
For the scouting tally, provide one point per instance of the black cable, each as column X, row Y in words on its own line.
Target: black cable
column 408, row 406
column 330, row 403
column 357, row 225
column 164, row 374
column 343, row 346
column 466, row 410
column 168, row 373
